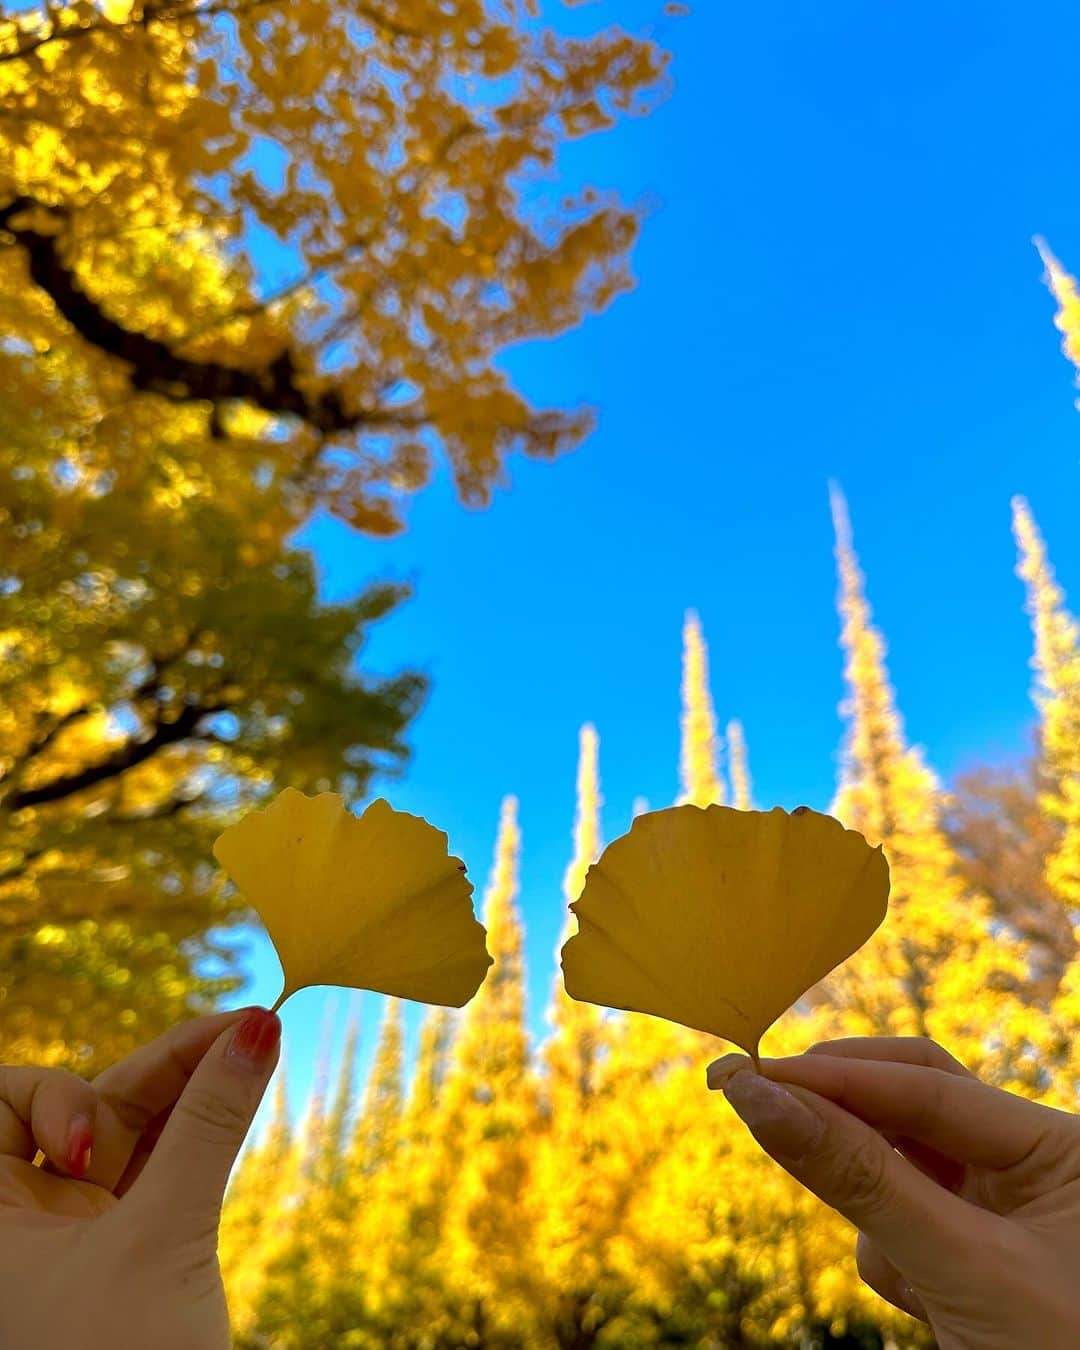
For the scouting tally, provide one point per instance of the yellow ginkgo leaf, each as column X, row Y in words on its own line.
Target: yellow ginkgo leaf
column 720, row 919
column 372, row 901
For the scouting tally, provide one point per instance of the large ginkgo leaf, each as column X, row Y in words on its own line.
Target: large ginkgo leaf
column 720, row 919
column 372, row 901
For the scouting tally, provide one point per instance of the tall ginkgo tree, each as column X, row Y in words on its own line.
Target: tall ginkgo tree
column 577, row 1209
column 573, row 1048
column 1057, row 666
column 490, row 1111
column 936, row 967
column 742, row 795
column 1064, row 289
column 699, row 759
column 258, row 1213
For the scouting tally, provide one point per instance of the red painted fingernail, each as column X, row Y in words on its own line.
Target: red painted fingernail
column 254, row 1039
column 79, row 1140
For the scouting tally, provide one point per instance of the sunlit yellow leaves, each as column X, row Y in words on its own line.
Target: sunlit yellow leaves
column 163, row 649
column 410, row 466
column 1057, row 662
column 375, row 515
column 382, row 150
column 738, row 767
column 78, row 745
column 373, row 901
column 1064, row 290
column 937, row 967
column 38, row 219
column 501, row 54
column 698, row 769
column 721, row 919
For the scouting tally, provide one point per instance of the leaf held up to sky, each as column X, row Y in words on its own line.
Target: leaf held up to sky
column 374, row 901
column 721, row 919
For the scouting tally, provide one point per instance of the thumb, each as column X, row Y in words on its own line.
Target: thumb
column 921, row 1227
column 185, row 1176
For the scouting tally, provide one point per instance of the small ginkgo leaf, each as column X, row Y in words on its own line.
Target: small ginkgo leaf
column 372, row 901
column 721, row 919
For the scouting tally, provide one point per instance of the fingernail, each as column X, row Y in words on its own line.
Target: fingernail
column 253, row 1041
column 79, row 1140
column 720, row 1070
column 776, row 1118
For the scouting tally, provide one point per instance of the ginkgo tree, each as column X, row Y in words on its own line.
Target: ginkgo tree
column 255, row 258
column 363, row 182
column 163, row 657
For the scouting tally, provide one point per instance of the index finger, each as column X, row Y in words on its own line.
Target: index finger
column 955, row 1114
column 896, row 1049
column 137, row 1091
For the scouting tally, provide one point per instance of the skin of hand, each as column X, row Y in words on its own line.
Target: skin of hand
column 966, row 1197
column 112, row 1243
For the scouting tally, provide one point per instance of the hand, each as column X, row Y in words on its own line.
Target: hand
column 118, row 1250
column 966, row 1197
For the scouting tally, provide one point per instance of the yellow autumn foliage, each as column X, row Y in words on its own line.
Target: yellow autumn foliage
column 1056, row 661
column 699, row 763
column 1064, row 289
column 151, row 155
column 162, row 650
column 254, row 260
column 519, row 1201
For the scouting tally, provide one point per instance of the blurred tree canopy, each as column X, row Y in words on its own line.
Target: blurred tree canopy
column 384, row 160
column 1002, row 838
column 163, row 658
column 256, row 259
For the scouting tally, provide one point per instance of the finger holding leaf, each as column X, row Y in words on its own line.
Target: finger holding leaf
column 374, row 901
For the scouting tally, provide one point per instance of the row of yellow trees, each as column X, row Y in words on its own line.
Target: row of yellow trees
column 167, row 419
column 589, row 1191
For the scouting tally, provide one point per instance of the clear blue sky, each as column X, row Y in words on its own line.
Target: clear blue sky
column 837, row 281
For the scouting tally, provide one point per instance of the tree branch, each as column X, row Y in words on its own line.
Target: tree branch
column 47, row 737
column 128, row 756
column 156, row 368
column 150, row 686
column 175, row 807
column 28, row 857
